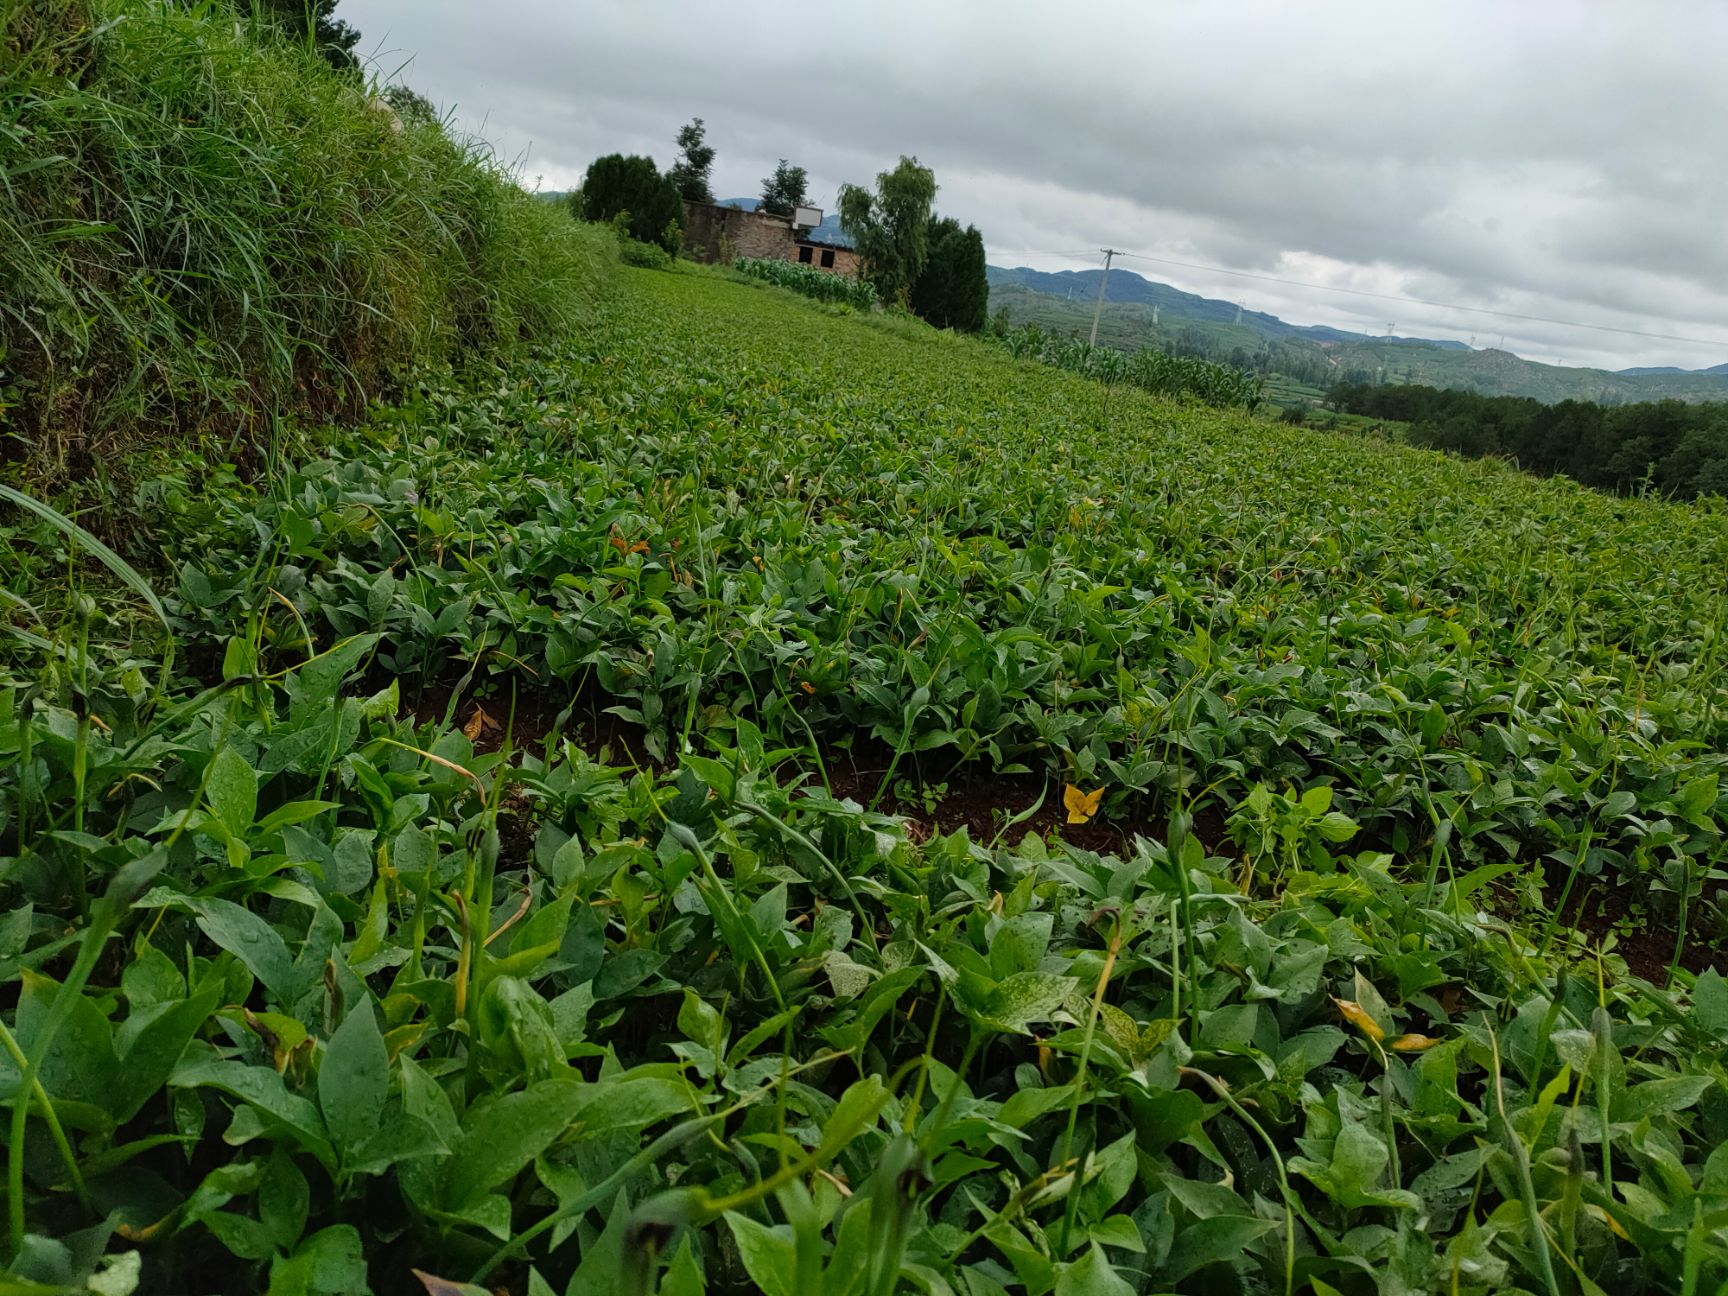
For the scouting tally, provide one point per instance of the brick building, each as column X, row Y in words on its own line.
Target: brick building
column 826, row 256
column 716, row 233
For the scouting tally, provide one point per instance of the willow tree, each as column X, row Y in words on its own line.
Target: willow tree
column 891, row 227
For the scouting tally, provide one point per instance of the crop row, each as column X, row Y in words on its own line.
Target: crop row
column 1181, row 611
column 1150, row 370
column 823, row 285
column 321, row 977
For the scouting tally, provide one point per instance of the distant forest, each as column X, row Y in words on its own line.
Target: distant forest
column 1667, row 446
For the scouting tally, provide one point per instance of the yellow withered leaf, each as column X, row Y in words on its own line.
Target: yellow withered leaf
column 1360, row 1018
column 1609, row 1220
column 1412, row 1043
column 476, row 722
column 1081, row 805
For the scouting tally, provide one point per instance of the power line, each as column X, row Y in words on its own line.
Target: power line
column 1422, row 301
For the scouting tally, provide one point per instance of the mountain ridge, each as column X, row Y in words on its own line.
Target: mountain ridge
column 1127, row 286
column 1145, row 312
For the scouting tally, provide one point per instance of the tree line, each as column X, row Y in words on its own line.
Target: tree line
column 1668, row 446
column 916, row 259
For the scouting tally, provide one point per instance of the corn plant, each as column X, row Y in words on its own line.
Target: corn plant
column 823, row 285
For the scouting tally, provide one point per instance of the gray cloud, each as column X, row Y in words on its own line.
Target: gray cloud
column 1545, row 159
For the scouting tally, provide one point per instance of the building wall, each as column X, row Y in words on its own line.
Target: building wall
column 843, row 261
column 716, row 233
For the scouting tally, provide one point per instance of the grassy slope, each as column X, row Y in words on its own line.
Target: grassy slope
column 205, row 228
column 748, row 521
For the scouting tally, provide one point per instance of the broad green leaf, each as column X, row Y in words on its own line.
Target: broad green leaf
column 251, row 940
column 244, row 1236
column 1661, row 1097
column 684, row 1275
column 1118, row 1231
column 353, row 1079
column 1352, row 1177
column 630, row 1102
column 373, row 929
column 380, row 596
column 331, row 1262
column 151, row 979
column 1019, row 944
column 699, row 1021
column 1112, row 1169
column 80, row 1064
column 623, row 972
column 518, row 1029
column 308, row 741
column 232, row 789
column 1710, row 1002
column 1218, row 1240
column 507, row 1135
column 1336, row 827
column 870, row 1007
column 1013, row 1003
column 536, row 940
column 602, row 1270
column 284, row 1200
column 1698, row 796
column 567, row 863
column 153, row 1051
column 424, row 1100
column 295, row 812
column 320, row 679
column 770, row 1255
column 1092, row 1275
column 400, row 1139
column 263, row 1089
column 1162, row 1117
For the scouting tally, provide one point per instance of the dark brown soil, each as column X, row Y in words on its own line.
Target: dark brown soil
column 1644, row 939
column 528, row 718
column 984, row 804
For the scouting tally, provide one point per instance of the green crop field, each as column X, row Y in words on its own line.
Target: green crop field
column 759, row 798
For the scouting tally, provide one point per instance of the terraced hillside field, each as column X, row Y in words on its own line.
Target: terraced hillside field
column 770, row 798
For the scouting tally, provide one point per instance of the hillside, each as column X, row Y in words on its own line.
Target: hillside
column 1316, row 355
column 1127, row 286
column 756, row 794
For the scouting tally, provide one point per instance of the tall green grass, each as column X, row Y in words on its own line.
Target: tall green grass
column 203, row 229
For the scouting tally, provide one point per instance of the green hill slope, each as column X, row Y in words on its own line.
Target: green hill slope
column 758, row 795
column 1193, row 325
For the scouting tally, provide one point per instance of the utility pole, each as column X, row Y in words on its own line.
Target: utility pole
column 1109, row 255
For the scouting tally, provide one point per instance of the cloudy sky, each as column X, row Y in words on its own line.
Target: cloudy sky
column 1540, row 159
